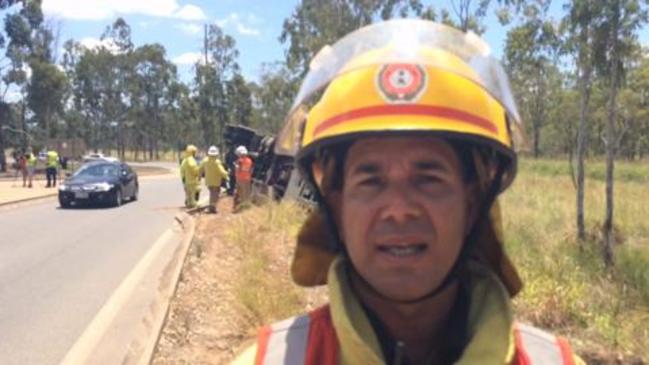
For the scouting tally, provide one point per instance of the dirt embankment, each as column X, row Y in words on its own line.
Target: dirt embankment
column 227, row 284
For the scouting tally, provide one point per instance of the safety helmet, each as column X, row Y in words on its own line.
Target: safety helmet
column 241, row 151
column 213, row 151
column 404, row 77
column 191, row 149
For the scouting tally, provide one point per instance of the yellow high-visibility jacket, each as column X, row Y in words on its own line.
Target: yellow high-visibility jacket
column 31, row 160
column 52, row 159
column 495, row 337
column 214, row 171
column 189, row 171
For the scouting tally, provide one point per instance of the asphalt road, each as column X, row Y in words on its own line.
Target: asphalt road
column 58, row 267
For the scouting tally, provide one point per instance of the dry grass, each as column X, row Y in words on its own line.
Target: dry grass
column 266, row 236
column 605, row 312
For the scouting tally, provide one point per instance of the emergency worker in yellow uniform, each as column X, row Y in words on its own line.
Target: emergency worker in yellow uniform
column 214, row 173
column 408, row 148
column 189, row 172
column 51, row 168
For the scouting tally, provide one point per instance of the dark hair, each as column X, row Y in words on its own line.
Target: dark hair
column 464, row 152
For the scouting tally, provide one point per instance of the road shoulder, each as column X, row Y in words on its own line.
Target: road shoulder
column 125, row 330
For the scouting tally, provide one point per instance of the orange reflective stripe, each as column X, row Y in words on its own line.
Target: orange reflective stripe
column 521, row 357
column 262, row 344
column 537, row 347
column 409, row 109
column 307, row 339
column 286, row 342
column 323, row 342
column 566, row 351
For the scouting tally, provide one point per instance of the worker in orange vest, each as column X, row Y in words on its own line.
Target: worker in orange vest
column 243, row 175
column 408, row 148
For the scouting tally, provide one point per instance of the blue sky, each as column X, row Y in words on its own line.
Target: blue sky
column 178, row 25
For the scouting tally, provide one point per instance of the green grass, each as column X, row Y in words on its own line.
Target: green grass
column 167, row 156
column 625, row 171
column 568, row 288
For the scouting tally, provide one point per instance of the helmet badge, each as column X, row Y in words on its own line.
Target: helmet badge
column 401, row 83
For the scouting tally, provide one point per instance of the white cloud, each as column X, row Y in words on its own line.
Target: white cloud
column 104, row 9
column 189, row 28
column 237, row 22
column 13, row 95
column 247, row 30
column 190, row 12
column 189, row 58
column 27, row 70
column 94, row 43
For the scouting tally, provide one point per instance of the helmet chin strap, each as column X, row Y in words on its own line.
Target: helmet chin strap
column 467, row 247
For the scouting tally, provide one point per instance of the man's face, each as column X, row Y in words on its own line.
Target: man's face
column 403, row 212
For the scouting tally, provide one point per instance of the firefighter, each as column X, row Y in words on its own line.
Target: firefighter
column 408, row 146
column 189, row 173
column 243, row 175
column 214, row 173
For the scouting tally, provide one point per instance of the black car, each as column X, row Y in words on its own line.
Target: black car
column 100, row 182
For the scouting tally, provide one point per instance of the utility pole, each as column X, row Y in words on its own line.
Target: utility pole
column 205, row 44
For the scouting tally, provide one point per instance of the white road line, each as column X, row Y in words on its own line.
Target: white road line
column 79, row 353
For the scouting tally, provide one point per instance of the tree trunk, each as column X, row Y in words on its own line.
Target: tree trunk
column 537, row 137
column 611, row 142
column 581, row 146
column 150, row 149
column 23, row 125
column 4, row 117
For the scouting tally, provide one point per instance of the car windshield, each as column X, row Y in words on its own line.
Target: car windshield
column 98, row 170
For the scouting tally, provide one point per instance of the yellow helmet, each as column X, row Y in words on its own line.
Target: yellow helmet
column 401, row 77
column 191, row 149
column 404, row 76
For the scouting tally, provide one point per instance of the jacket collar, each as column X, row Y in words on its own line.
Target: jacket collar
column 489, row 324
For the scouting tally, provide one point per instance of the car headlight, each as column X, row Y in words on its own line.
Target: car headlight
column 64, row 187
column 99, row 187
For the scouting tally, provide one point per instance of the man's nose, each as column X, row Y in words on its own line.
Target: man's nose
column 399, row 204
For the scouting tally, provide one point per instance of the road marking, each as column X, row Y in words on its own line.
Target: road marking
column 81, row 350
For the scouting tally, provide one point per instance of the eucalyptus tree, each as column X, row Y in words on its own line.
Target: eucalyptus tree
column 211, row 78
column 531, row 53
column 617, row 38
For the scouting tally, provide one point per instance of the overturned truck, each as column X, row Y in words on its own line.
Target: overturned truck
column 273, row 176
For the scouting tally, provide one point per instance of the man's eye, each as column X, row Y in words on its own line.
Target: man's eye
column 427, row 179
column 371, row 181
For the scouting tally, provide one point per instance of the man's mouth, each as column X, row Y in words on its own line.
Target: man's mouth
column 403, row 250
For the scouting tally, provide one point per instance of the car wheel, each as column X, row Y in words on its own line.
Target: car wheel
column 135, row 193
column 64, row 203
column 117, row 198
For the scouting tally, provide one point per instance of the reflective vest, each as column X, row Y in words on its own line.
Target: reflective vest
column 214, row 171
column 52, row 159
column 310, row 339
column 31, row 160
column 189, row 171
column 244, row 169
